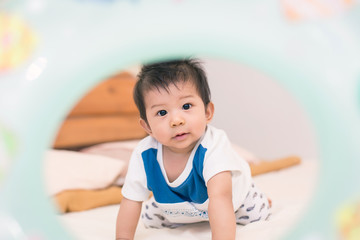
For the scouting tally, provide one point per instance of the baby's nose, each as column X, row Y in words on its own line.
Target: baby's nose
column 177, row 121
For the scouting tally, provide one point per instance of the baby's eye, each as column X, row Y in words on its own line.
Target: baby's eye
column 162, row 113
column 186, row 106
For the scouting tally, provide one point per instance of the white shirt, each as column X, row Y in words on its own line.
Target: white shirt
column 185, row 200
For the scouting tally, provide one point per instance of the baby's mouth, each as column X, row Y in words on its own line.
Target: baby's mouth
column 180, row 135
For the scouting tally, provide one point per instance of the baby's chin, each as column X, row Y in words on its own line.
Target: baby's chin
column 181, row 148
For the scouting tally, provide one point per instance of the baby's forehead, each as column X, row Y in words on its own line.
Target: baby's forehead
column 167, row 86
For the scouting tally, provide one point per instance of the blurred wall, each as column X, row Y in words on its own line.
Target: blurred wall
column 257, row 113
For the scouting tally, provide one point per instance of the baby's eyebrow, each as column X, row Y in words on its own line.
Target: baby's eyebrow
column 156, row 105
column 162, row 105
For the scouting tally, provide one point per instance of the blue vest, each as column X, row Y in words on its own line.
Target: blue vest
column 193, row 189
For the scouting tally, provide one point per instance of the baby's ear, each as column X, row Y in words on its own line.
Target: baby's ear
column 145, row 126
column 209, row 111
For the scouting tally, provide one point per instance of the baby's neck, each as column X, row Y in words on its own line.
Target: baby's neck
column 174, row 163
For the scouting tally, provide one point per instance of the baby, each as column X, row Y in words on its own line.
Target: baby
column 188, row 165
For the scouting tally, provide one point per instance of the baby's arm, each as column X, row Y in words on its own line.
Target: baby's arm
column 221, row 210
column 127, row 219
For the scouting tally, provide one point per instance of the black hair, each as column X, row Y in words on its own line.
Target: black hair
column 162, row 75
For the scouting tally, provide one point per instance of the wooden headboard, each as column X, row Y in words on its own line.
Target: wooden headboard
column 107, row 113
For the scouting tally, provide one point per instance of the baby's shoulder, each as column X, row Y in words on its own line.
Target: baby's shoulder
column 146, row 144
column 213, row 136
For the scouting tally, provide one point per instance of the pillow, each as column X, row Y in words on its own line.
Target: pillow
column 120, row 150
column 66, row 170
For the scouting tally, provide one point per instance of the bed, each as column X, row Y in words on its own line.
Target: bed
column 87, row 165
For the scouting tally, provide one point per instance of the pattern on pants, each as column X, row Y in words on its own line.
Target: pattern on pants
column 153, row 217
column 254, row 208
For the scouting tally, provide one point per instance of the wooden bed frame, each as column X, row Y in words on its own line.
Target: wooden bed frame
column 107, row 113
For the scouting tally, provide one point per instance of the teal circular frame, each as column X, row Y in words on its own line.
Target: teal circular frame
column 303, row 57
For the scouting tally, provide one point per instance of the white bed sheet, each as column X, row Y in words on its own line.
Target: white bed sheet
column 290, row 190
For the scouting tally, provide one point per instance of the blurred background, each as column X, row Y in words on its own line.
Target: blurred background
column 257, row 113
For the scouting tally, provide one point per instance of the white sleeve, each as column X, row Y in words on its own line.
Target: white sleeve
column 220, row 157
column 135, row 186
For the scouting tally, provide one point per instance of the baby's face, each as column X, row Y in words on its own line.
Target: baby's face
column 176, row 118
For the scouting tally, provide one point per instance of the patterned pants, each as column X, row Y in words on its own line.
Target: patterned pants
column 254, row 208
